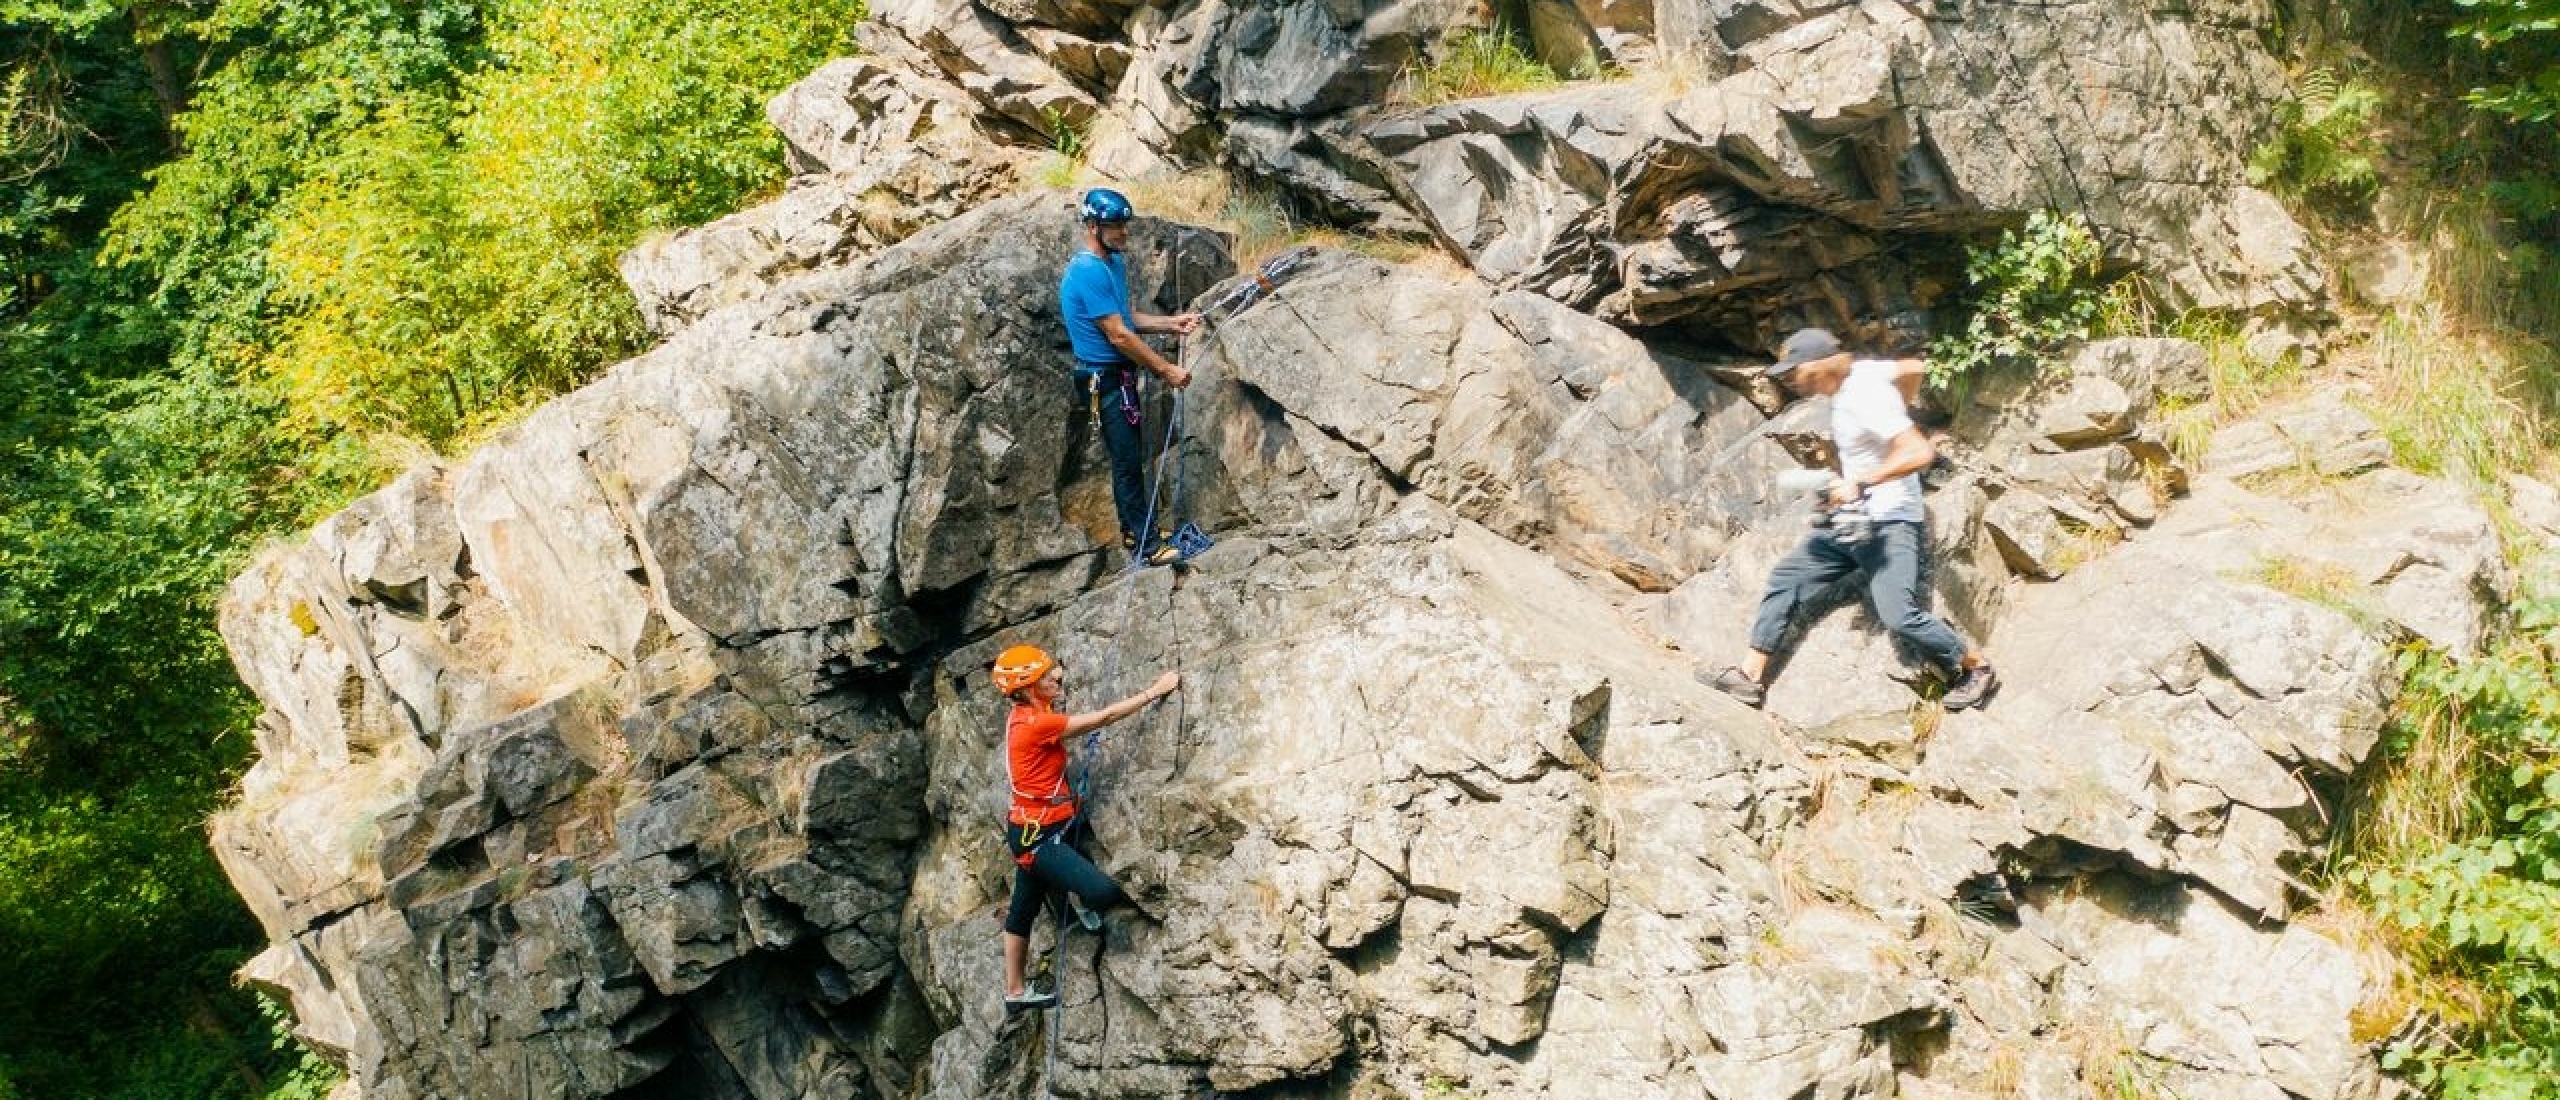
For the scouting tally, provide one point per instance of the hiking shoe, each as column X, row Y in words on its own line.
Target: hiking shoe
column 1029, row 1000
column 1732, row 682
column 1972, row 689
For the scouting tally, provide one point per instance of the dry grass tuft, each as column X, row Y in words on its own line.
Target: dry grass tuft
column 2325, row 583
column 1263, row 225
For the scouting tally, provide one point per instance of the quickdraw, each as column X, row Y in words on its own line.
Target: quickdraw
column 1264, row 281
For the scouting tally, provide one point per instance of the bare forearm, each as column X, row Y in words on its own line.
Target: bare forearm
column 1138, row 352
column 1085, row 723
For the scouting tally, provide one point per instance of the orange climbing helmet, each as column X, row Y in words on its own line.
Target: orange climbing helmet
column 1020, row 667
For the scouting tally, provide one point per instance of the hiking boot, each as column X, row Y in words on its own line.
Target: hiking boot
column 1732, row 682
column 1972, row 689
column 1031, row 999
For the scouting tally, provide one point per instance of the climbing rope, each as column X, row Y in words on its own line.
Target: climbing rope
column 1085, row 767
column 1264, row 281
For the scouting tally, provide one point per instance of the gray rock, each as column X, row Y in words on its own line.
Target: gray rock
column 2534, row 502
column 2091, row 409
column 1777, row 193
column 2029, row 535
column 2323, row 435
column 649, row 748
column 2387, row 273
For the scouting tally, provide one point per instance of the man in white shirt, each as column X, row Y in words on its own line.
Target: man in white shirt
column 1875, row 519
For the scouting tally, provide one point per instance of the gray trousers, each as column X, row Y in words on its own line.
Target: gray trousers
column 1894, row 557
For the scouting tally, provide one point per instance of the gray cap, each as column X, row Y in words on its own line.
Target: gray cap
column 1807, row 345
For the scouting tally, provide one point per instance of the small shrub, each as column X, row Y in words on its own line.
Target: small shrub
column 307, row 1076
column 1260, row 220
column 2324, row 148
column 2034, row 292
column 1479, row 63
column 1066, row 150
column 2483, row 887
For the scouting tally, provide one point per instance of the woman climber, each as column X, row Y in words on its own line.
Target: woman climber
column 1044, row 829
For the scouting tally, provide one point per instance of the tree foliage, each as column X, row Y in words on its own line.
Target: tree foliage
column 222, row 300
column 2523, row 38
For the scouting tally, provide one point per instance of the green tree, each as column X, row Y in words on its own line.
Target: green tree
column 429, row 191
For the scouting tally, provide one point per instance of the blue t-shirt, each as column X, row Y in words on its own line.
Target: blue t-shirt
column 1094, row 288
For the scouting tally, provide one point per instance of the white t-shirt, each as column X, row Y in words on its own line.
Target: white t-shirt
column 1865, row 416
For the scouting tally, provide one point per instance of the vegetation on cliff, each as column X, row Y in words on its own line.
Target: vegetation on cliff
column 255, row 252
column 252, row 253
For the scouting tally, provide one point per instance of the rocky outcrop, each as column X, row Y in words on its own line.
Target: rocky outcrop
column 879, row 154
column 648, row 751
column 1748, row 167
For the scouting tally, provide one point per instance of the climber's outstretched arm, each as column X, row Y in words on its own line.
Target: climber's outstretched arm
column 1087, row 723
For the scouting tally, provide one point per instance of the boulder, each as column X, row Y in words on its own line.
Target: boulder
column 2324, row 436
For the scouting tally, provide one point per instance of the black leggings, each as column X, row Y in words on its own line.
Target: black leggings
column 1058, row 866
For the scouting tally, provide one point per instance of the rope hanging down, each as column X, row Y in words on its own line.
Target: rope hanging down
column 1081, row 777
column 1227, row 307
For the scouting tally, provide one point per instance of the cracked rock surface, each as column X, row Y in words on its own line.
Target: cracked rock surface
column 648, row 751
column 1734, row 170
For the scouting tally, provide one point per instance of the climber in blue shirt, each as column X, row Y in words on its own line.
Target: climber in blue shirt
column 1093, row 296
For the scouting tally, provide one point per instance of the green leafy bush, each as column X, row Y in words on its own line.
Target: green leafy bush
column 2488, row 894
column 390, row 221
column 2325, row 143
column 452, row 262
column 2524, row 37
column 1066, row 150
column 2034, row 292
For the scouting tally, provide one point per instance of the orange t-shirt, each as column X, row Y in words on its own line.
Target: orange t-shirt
column 1035, row 757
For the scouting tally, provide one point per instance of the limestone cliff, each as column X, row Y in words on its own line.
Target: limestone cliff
column 647, row 751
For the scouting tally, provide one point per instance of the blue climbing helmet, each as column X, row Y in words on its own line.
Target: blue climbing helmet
column 1107, row 206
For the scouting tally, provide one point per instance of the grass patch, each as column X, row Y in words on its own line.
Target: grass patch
column 2462, row 384
column 2084, row 543
column 1477, row 63
column 2113, row 1069
column 2326, row 584
column 1263, row 225
column 2237, row 384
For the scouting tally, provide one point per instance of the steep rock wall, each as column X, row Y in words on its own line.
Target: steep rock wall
column 647, row 752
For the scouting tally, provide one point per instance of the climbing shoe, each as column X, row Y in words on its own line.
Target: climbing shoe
column 1087, row 919
column 1732, row 682
column 1972, row 689
column 1164, row 554
column 1029, row 1000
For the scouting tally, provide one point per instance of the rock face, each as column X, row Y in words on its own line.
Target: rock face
column 1758, row 166
column 648, row 751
